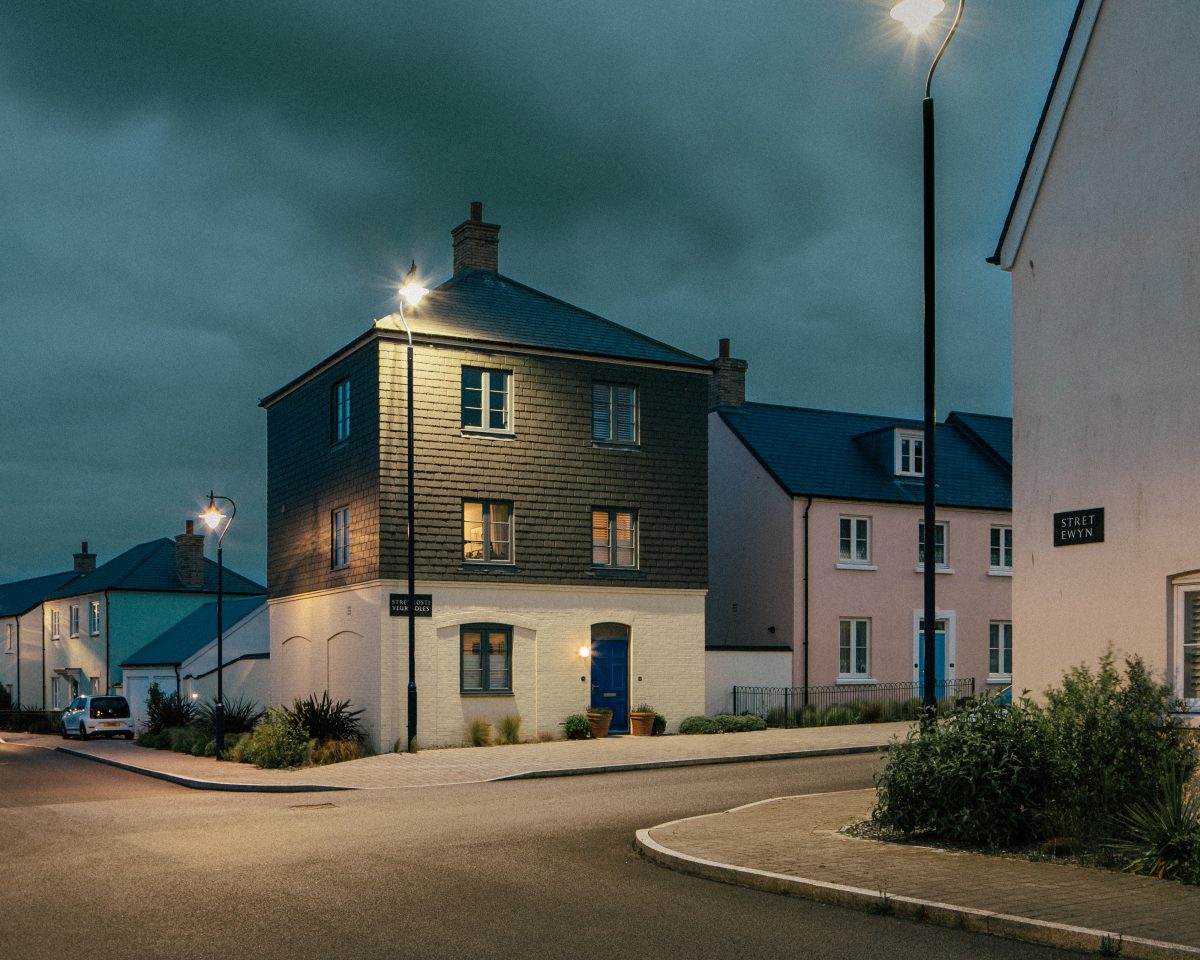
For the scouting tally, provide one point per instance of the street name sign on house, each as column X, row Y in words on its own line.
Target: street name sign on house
column 422, row 604
column 1079, row 526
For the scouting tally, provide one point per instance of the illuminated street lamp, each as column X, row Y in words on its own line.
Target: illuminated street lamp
column 214, row 518
column 917, row 15
column 411, row 293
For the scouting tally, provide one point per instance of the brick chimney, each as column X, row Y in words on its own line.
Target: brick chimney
column 476, row 244
column 189, row 558
column 84, row 562
column 727, row 388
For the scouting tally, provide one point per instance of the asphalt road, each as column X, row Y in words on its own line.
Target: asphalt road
column 102, row 863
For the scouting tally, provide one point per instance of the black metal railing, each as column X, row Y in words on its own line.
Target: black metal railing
column 39, row 721
column 844, row 703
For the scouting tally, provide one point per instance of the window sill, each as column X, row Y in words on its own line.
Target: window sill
column 999, row 680
column 94, row 633
column 997, row 572
column 481, row 566
column 609, row 445
column 850, row 565
column 617, row 573
column 340, row 445
column 477, row 433
column 854, row 681
column 486, row 693
column 920, row 568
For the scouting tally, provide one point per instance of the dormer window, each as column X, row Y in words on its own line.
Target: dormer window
column 910, row 454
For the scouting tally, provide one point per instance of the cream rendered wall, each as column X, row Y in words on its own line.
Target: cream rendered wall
column 725, row 669
column 27, row 649
column 369, row 656
column 750, row 547
column 84, row 653
column 1106, row 288
column 892, row 593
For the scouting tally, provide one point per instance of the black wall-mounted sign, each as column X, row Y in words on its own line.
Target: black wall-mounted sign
column 1079, row 526
column 422, row 605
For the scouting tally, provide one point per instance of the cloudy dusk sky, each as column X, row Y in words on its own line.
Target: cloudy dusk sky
column 202, row 200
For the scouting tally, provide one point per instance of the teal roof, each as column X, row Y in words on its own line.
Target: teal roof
column 151, row 566
column 194, row 631
column 827, row 453
column 23, row 595
column 479, row 305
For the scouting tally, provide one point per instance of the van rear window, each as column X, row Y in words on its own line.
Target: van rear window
column 115, row 707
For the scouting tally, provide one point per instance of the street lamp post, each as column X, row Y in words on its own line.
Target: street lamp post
column 916, row 15
column 411, row 293
column 213, row 517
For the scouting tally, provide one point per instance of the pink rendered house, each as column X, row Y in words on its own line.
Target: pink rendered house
column 816, row 546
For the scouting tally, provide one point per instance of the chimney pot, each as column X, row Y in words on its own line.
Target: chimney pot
column 188, row 527
column 723, row 351
column 476, row 244
column 727, row 388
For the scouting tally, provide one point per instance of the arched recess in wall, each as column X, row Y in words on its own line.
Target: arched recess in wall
column 294, row 672
column 343, row 668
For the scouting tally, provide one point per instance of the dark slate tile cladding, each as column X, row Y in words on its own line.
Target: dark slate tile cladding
column 550, row 471
column 827, row 453
column 308, row 477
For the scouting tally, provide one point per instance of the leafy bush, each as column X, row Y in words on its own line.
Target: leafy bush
column 870, row 712
column 325, row 720
column 167, row 710
column 841, row 715
column 1114, row 739
column 727, row 723
column 1162, row 834
column 278, row 740
column 479, row 732
column 240, row 715
column 576, row 727
column 148, row 739
column 982, row 775
column 508, row 730
column 699, row 724
column 660, row 725
column 185, row 739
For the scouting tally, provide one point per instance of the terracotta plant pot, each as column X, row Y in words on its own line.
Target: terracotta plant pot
column 641, row 723
column 598, row 724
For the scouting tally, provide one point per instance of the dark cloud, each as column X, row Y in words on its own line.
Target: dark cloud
column 202, row 200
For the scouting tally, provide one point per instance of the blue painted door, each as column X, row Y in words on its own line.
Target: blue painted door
column 610, row 680
column 939, row 659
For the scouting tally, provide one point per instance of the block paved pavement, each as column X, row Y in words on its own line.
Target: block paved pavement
column 794, row 845
column 437, row 767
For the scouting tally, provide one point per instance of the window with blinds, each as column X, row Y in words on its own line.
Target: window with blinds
column 614, row 413
column 614, row 538
column 1191, row 646
column 487, row 531
column 486, row 658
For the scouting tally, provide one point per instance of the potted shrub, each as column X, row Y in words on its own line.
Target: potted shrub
column 641, row 720
column 598, row 720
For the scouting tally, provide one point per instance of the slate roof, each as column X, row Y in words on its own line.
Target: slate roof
column 994, row 433
column 821, row 453
column 22, row 596
column 151, row 566
column 198, row 628
column 480, row 305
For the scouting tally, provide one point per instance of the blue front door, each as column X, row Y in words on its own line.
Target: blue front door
column 610, row 679
column 939, row 659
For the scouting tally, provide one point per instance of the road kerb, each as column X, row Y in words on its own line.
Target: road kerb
column 1026, row 929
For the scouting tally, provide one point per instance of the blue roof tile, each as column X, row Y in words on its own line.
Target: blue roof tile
column 198, row 628
column 151, row 566
column 23, row 595
column 822, row 453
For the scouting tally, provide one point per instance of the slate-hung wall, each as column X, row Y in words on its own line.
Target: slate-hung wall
column 549, row 470
column 308, row 476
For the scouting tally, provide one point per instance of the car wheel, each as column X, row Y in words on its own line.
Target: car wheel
column 62, row 728
column 129, row 736
column 83, row 734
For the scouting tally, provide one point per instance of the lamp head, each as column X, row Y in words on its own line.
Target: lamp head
column 211, row 515
column 412, row 291
column 585, row 651
column 917, row 15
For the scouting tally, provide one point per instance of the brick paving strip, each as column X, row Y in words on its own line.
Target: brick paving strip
column 793, row 845
column 481, row 764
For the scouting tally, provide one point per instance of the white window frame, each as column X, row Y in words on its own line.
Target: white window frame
column 73, row 620
column 55, row 692
column 610, row 545
column 8, row 638
column 339, row 538
column 1182, row 640
column 854, row 633
column 859, row 532
column 341, row 411
column 999, row 640
column 910, row 453
column 55, row 624
column 944, row 528
column 94, row 618
column 486, row 378
column 1000, row 540
column 486, row 530
column 607, row 397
